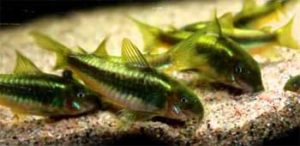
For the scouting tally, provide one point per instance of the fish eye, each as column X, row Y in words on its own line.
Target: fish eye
column 295, row 85
column 183, row 100
column 238, row 68
column 67, row 74
column 80, row 94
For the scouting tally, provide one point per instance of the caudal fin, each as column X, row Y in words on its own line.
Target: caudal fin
column 285, row 36
column 50, row 44
column 150, row 35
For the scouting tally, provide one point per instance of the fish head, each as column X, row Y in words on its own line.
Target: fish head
column 184, row 104
column 293, row 84
column 79, row 98
column 82, row 99
column 247, row 76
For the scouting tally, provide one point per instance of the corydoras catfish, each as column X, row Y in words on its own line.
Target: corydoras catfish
column 293, row 84
column 250, row 39
column 30, row 91
column 130, row 84
column 213, row 56
column 255, row 16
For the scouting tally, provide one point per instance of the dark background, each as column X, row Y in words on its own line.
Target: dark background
column 16, row 12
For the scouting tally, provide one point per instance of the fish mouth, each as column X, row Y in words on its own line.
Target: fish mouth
column 192, row 115
column 184, row 115
column 181, row 115
column 249, row 88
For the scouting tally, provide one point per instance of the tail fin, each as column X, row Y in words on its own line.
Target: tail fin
column 150, row 35
column 50, row 44
column 270, row 11
column 285, row 36
column 248, row 5
column 268, row 51
column 226, row 21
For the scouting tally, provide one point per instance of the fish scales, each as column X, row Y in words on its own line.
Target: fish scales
column 32, row 90
column 124, row 83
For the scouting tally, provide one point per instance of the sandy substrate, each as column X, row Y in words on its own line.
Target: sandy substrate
column 245, row 119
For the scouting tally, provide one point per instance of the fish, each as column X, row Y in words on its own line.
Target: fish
column 29, row 91
column 293, row 84
column 250, row 38
column 250, row 17
column 262, row 42
column 131, row 84
column 252, row 14
column 215, row 57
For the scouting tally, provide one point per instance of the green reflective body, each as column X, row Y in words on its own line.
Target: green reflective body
column 249, row 38
column 130, row 87
column 156, row 60
column 247, row 16
column 216, row 59
column 246, row 37
column 119, row 81
column 236, row 68
column 293, row 84
column 195, row 26
column 45, row 95
column 128, row 82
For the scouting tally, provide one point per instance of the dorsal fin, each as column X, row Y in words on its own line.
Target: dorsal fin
column 215, row 26
column 248, row 5
column 101, row 49
column 219, row 28
column 132, row 56
column 24, row 65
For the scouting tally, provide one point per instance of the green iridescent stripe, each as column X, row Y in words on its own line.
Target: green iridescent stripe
column 26, row 90
column 127, row 81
